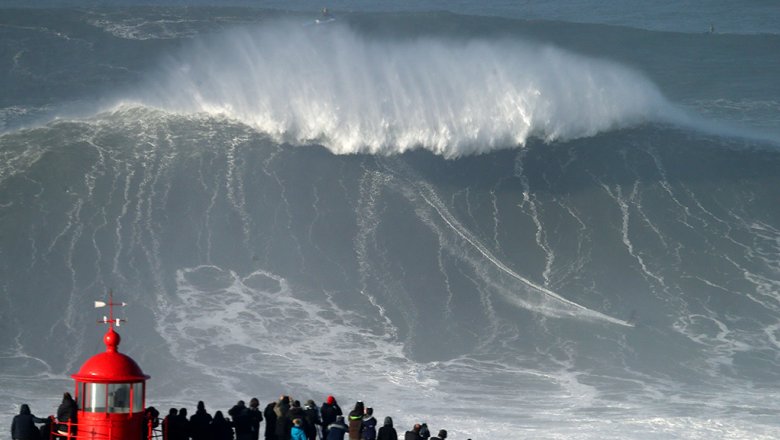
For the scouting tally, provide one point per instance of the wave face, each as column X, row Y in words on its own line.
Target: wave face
column 601, row 269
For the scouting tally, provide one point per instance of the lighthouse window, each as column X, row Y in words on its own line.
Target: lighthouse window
column 138, row 397
column 119, row 397
column 94, row 397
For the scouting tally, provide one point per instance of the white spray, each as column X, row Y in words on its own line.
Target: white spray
column 332, row 86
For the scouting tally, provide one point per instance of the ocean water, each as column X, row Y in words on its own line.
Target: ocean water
column 547, row 220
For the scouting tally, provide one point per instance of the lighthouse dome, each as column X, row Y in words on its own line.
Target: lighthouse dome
column 110, row 366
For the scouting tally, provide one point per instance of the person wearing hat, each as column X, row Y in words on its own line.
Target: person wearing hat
column 356, row 420
column 329, row 411
column 311, row 419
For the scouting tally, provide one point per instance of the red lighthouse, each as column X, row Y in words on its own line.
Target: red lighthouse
column 110, row 391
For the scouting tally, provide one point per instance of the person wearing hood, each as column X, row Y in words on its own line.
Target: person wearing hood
column 23, row 425
column 442, row 435
column 356, row 420
column 311, row 419
column 337, row 429
column 199, row 422
column 329, row 411
column 66, row 415
column 387, row 432
column 270, row 421
column 425, row 433
column 369, row 425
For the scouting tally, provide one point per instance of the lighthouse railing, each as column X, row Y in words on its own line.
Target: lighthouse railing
column 71, row 432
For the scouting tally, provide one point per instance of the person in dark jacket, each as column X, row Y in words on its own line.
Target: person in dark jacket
column 220, row 428
column 283, row 422
column 199, row 423
column 311, row 419
column 270, row 421
column 329, row 411
column 442, row 435
column 337, row 429
column 170, row 425
column 387, row 432
column 255, row 417
column 242, row 421
column 356, row 420
column 183, row 425
column 151, row 421
column 414, row 434
column 368, row 428
column 296, row 412
column 23, row 425
column 425, row 433
column 66, row 415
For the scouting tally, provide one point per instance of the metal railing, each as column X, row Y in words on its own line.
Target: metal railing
column 71, row 431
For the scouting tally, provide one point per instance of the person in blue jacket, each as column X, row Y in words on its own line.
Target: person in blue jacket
column 297, row 433
column 337, row 429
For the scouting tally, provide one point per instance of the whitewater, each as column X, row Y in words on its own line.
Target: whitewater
column 508, row 221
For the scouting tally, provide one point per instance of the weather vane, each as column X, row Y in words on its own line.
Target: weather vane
column 110, row 320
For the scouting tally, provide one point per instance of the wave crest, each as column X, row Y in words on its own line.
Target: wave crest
column 330, row 85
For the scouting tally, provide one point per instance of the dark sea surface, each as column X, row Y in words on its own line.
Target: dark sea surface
column 507, row 220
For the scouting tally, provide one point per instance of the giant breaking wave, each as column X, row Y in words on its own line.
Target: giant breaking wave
column 332, row 86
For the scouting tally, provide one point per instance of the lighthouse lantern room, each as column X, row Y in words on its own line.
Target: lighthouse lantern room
column 110, row 390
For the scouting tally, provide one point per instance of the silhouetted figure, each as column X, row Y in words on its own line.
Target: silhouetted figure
column 170, row 424
column 387, row 432
column 414, row 434
column 255, row 417
column 66, row 415
column 23, row 425
column 368, row 428
column 311, row 419
column 337, row 429
column 182, row 425
column 296, row 432
column 151, row 421
column 199, row 423
column 283, row 423
column 356, row 420
column 220, row 428
column 329, row 411
column 442, row 435
column 270, row 421
column 241, row 421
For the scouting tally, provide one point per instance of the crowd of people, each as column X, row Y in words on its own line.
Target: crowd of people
column 284, row 419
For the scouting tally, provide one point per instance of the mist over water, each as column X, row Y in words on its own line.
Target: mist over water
column 354, row 94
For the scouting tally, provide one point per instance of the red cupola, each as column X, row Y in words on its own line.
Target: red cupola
column 111, row 391
column 110, row 366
